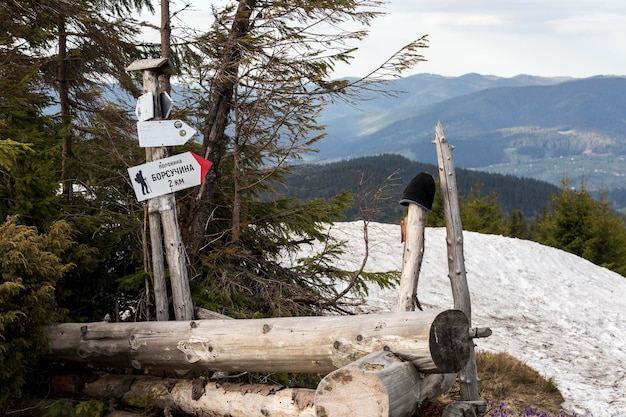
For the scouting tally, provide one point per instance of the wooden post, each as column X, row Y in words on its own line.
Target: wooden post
column 456, row 262
column 377, row 385
column 433, row 341
column 163, row 209
column 418, row 196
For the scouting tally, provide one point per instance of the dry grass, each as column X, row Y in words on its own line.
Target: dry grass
column 504, row 379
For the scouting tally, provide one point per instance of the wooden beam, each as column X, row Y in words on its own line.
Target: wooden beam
column 433, row 341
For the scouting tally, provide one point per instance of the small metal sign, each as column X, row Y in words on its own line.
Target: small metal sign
column 145, row 107
column 164, row 133
column 166, row 104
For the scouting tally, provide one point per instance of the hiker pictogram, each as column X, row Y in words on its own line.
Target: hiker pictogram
column 140, row 179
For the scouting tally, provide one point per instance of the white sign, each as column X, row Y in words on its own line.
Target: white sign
column 168, row 175
column 145, row 107
column 163, row 133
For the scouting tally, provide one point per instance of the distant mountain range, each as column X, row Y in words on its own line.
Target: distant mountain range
column 544, row 128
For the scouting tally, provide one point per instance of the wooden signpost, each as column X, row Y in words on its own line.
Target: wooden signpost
column 164, row 228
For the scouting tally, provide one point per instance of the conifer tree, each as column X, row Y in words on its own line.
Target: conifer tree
column 30, row 266
column 265, row 69
column 585, row 227
column 482, row 213
column 518, row 226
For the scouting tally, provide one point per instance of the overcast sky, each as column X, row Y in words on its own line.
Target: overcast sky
column 578, row 38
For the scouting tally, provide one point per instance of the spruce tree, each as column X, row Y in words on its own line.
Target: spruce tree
column 266, row 72
column 31, row 265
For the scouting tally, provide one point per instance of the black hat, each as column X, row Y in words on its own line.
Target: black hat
column 420, row 191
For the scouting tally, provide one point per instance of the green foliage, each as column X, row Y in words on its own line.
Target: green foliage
column 30, row 267
column 69, row 408
column 518, row 226
column 246, row 278
column 585, row 227
column 482, row 213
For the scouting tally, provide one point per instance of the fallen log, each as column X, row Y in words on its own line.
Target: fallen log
column 433, row 341
column 197, row 397
column 379, row 384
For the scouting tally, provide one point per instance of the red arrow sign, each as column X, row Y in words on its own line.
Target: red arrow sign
column 168, row 175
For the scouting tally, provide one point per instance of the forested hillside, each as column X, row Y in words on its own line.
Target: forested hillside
column 362, row 176
column 529, row 127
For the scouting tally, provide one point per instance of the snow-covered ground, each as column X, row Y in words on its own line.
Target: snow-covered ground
column 558, row 313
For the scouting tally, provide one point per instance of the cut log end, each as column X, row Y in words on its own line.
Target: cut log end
column 449, row 341
column 379, row 384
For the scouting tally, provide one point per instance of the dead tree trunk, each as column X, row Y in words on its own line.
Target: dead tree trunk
column 433, row 341
column 456, row 260
column 411, row 258
column 197, row 397
column 418, row 196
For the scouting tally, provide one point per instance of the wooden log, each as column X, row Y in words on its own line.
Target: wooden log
column 412, row 256
column 468, row 376
column 377, row 385
column 434, row 341
column 197, row 397
column 204, row 314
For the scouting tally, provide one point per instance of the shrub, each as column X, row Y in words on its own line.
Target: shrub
column 30, row 266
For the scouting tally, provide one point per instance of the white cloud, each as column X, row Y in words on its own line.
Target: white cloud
column 505, row 38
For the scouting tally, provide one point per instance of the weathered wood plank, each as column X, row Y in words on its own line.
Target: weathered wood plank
column 433, row 341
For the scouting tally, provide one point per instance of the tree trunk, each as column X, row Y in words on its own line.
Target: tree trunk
column 220, row 105
column 456, row 261
column 64, row 104
column 433, row 341
column 197, row 397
